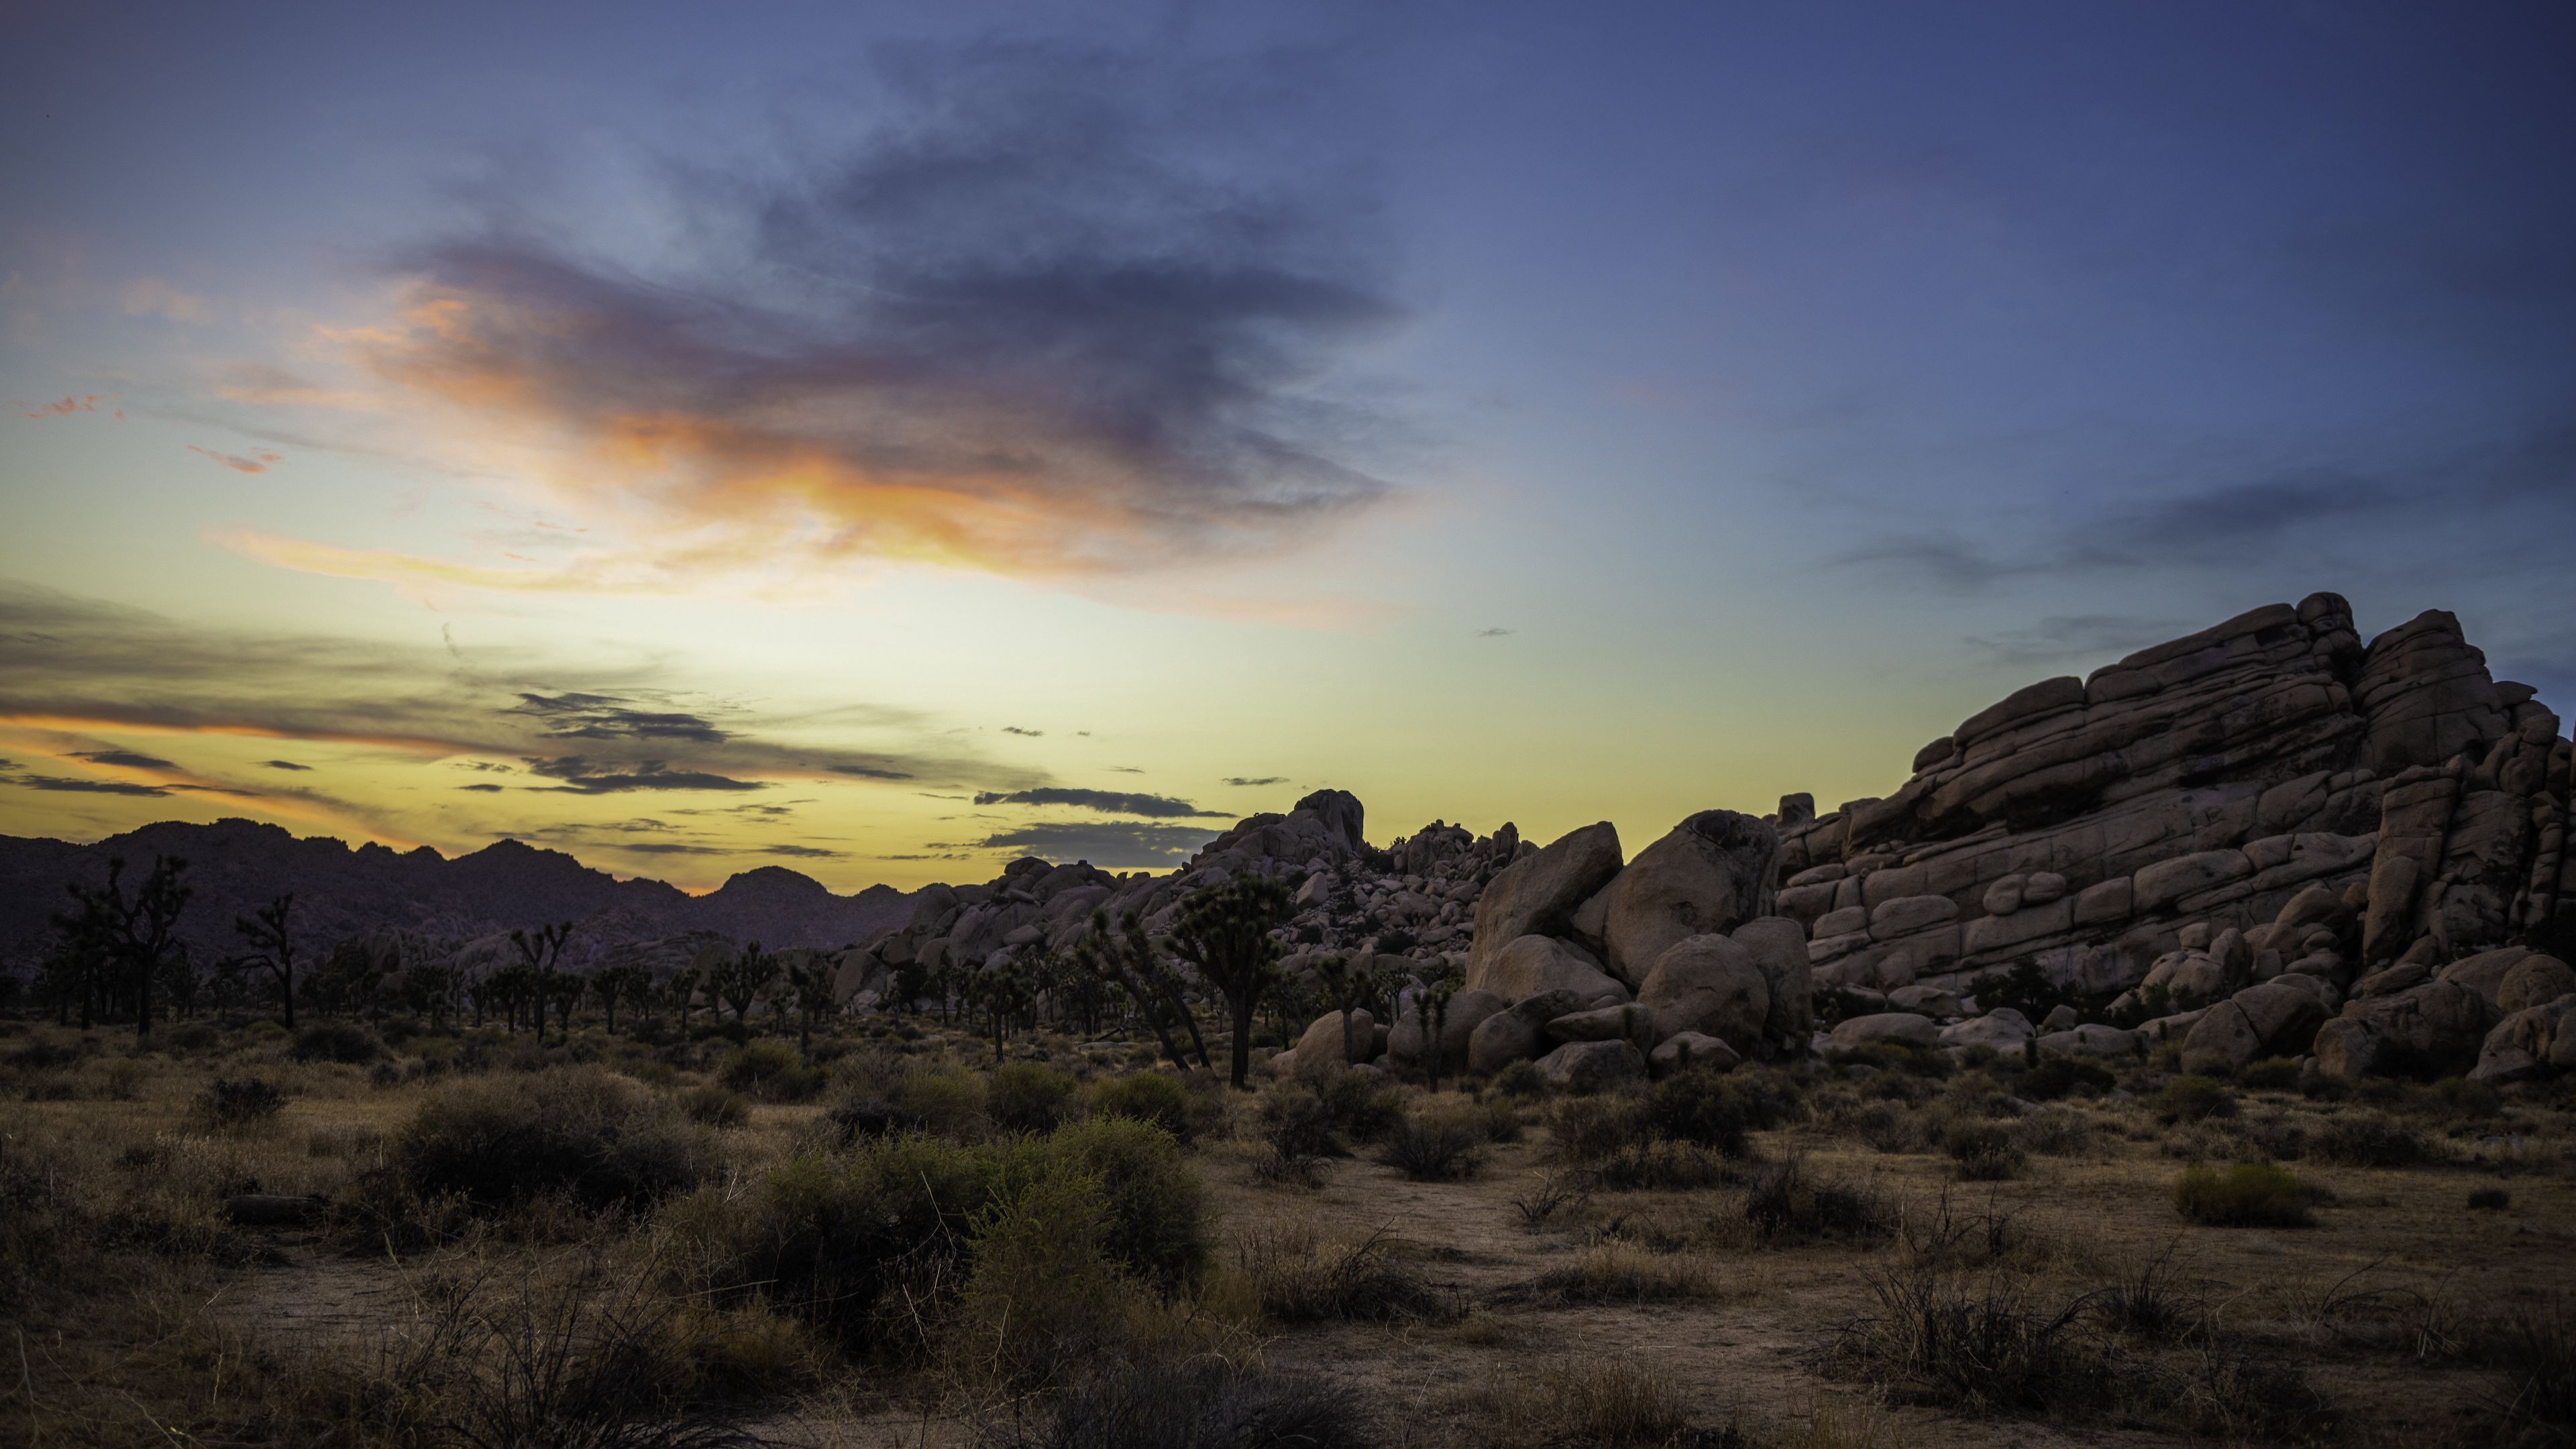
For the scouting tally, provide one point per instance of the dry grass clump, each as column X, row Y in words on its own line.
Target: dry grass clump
column 230, row 1103
column 1977, row 1345
column 2368, row 1139
column 2245, row 1195
column 1983, row 1152
column 1300, row 1276
column 1601, row 1403
column 2194, row 1099
column 1618, row 1273
column 1785, row 1203
column 2535, row 1346
column 1186, row 1406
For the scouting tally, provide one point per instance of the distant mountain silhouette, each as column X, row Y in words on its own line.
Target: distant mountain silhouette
column 236, row 865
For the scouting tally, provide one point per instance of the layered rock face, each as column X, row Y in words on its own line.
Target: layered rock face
column 2082, row 824
column 2269, row 797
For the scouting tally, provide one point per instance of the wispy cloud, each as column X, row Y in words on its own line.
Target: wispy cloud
column 1105, row 843
column 61, row 407
column 72, row 664
column 1108, row 802
column 125, row 759
column 1063, row 314
column 284, row 765
column 1243, row 782
column 2079, row 636
column 256, row 462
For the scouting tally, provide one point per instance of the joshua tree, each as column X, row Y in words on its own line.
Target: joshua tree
column 1125, row 958
column 1353, row 989
column 1431, row 1017
column 682, row 991
column 1001, row 991
column 812, row 980
column 608, row 983
column 1225, row 932
column 135, row 933
column 271, row 936
column 739, row 982
column 538, row 953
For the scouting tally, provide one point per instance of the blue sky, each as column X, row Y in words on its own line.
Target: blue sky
column 1197, row 391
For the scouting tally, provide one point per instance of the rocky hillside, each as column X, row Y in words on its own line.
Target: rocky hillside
column 340, row 892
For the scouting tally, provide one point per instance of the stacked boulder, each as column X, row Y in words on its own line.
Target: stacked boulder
column 2275, row 830
column 1599, row 968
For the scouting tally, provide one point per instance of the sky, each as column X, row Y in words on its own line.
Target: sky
column 885, row 440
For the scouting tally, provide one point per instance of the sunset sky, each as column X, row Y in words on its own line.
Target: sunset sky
column 885, row 440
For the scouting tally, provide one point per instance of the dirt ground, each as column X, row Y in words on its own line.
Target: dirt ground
column 2372, row 1304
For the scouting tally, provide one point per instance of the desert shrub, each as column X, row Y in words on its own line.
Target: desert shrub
column 1521, row 1079
column 2365, row 1139
column 1976, row 1345
column 1601, row 1403
column 1617, row 1273
column 2490, row 1200
column 238, row 1102
column 1429, row 1147
column 2194, row 1099
column 2244, row 1195
column 1716, row 1110
column 335, row 1041
column 1982, row 1152
column 1553, row 1193
column 1038, row 1279
column 1586, row 1129
column 2235, row 1396
column 192, row 1036
column 2053, row 1132
column 772, row 1072
column 1662, row 1166
column 712, row 1106
column 827, row 1236
column 1785, row 1203
column 1298, row 1276
column 2055, row 1078
column 1887, row 1126
column 599, row 1139
column 1198, row 1405
column 1145, row 1097
column 2455, row 1099
column 949, row 1103
column 1364, row 1105
column 1950, row 1236
column 1026, row 1097
column 1296, row 1123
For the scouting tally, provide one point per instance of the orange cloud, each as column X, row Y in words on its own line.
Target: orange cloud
column 1021, row 337
column 63, row 407
column 256, row 463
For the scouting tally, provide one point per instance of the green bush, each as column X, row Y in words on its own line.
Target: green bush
column 2246, row 1195
column 1520, row 1079
column 335, row 1041
column 875, row 1244
column 231, row 1103
column 1026, row 1097
column 714, row 1107
column 2055, row 1078
column 1588, row 1129
column 2194, row 1099
column 772, row 1072
column 1154, row 1097
column 596, row 1138
column 1432, row 1149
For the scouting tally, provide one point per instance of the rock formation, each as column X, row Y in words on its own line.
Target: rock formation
column 2268, row 821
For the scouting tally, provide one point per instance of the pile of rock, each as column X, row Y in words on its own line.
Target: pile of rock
column 1599, row 968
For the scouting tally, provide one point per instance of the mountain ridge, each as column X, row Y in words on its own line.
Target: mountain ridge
column 343, row 890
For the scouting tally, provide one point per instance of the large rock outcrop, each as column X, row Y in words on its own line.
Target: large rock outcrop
column 2272, row 783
